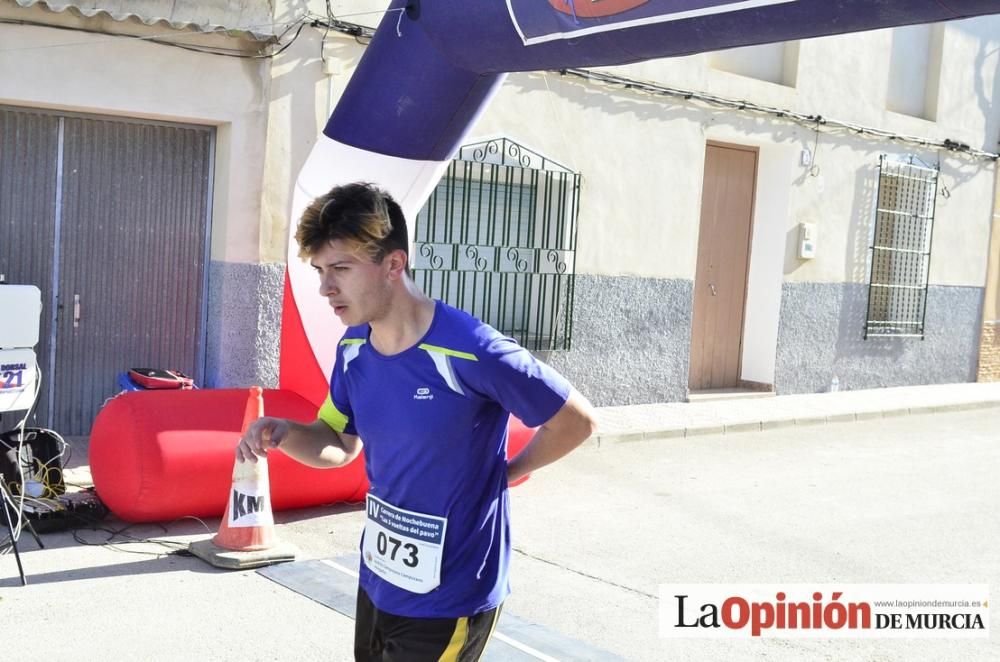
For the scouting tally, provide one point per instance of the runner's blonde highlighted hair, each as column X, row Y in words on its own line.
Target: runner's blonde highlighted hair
column 359, row 213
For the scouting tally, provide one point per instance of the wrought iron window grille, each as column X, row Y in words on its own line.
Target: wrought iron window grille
column 900, row 249
column 497, row 238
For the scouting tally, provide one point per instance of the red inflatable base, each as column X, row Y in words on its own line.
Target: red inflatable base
column 160, row 455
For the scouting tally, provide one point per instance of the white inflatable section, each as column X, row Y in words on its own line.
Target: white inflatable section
column 331, row 164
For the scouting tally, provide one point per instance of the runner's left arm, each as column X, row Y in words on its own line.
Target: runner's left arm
column 567, row 429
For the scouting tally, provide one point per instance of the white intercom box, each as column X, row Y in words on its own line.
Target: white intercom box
column 807, row 241
column 20, row 315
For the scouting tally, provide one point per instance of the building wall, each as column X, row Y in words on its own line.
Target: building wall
column 822, row 336
column 244, row 331
column 641, row 160
column 306, row 80
column 42, row 67
column 630, row 339
column 844, row 77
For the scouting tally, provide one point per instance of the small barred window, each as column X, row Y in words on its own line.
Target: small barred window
column 497, row 238
column 901, row 249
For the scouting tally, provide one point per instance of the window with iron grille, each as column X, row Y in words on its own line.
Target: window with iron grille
column 497, row 238
column 901, row 248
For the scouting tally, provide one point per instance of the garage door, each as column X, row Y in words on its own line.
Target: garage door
column 109, row 217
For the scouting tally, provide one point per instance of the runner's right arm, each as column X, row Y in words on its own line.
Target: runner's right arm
column 315, row 444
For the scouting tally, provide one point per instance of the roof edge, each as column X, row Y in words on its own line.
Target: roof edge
column 242, row 24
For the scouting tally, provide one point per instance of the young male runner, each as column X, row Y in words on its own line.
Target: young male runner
column 427, row 388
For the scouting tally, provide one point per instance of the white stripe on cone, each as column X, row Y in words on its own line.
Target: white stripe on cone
column 250, row 496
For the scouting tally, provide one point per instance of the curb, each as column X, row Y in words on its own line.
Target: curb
column 737, row 426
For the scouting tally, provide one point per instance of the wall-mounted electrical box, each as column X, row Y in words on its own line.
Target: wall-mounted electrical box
column 807, row 241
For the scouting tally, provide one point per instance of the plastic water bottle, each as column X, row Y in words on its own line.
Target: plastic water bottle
column 834, row 384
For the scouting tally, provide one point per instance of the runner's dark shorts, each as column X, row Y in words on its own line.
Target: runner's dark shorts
column 383, row 637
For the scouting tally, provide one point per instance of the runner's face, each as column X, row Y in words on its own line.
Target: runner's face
column 356, row 288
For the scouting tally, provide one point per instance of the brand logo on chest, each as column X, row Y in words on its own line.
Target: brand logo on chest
column 423, row 393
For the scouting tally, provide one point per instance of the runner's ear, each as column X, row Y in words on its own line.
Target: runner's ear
column 397, row 263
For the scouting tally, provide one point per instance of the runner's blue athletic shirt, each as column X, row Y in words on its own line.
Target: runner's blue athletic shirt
column 433, row 420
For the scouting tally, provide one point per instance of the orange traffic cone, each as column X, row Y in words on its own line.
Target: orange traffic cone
column 248, row 524
column 246, row 537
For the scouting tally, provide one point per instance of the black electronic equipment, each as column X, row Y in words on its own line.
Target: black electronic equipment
column 35, row 459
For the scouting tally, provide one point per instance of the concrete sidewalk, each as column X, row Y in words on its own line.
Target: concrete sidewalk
column 725, row 416
column 890, row 500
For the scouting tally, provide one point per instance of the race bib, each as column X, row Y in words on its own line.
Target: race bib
column 403, row 547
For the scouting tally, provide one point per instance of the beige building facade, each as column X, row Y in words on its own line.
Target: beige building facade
column 647, row 324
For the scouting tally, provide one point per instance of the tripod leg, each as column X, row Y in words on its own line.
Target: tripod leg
column 13, row 540
column 34, row 534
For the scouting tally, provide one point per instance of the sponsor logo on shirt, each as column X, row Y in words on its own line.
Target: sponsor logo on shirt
column 423, row 393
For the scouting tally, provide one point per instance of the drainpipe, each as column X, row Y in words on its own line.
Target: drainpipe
column 989, row 341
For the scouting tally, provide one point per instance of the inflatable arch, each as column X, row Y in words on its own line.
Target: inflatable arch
column 432, row 68
column 429, row 71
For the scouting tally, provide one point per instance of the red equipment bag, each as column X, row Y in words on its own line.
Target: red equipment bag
column 155, row 379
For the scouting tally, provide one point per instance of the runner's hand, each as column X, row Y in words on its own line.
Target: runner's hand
column 263, row 434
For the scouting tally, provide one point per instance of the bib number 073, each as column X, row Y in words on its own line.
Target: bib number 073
column 403, row 547
column 383, row 541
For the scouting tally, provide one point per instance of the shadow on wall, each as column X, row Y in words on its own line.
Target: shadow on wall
column 851, row 342
column 296, row 89
column 987, row 65
column 987, row 99
column 854, row 300
column 822, row 325
column 822, row 328
column 613, row 101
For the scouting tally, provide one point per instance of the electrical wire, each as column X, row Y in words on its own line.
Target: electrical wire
column 335, row 23
column 4, row 495
column 326, row 33
column 815, row 122
column 362, row 34
column 118, row 539
column 813, row 166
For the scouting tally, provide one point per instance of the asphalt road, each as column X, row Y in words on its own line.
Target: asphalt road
column 898, row 500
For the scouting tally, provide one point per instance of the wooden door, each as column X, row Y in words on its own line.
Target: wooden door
column 720, row 284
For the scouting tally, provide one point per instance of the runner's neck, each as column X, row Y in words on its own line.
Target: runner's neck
column 408, row 319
